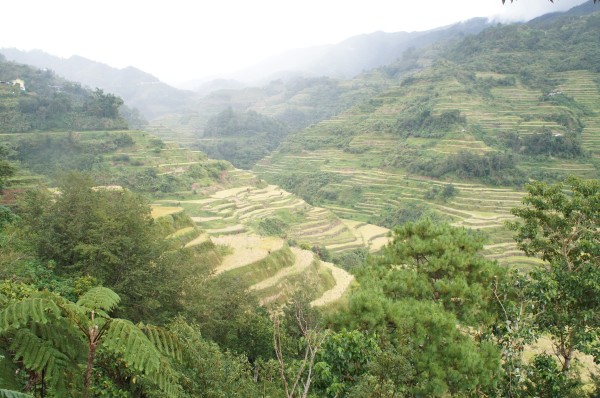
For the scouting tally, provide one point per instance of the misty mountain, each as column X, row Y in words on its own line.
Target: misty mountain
column 355, row 54
column 137, row 88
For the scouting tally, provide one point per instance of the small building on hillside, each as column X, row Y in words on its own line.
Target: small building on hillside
column 20, row 82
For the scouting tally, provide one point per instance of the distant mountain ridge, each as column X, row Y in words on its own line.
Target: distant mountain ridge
column 356, row 54
column 137, row 88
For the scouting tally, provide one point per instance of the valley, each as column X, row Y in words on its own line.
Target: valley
column 424, row 222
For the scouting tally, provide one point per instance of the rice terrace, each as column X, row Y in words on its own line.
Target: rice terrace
column 413, row 211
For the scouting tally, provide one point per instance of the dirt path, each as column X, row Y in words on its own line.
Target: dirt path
column 304, row 258
column 342, row 281
column 247, row 249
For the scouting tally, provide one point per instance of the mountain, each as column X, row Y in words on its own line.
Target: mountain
column 32, row 99
column 137, row 88
column 457, row 140
column 355, row 54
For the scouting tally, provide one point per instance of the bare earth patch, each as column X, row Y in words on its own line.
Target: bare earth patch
column 247, row 249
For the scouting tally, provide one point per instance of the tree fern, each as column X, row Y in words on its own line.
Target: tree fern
column 39, row 355
column 33, row 309
column 54, row 334
column 62, row 336
column 126, row 339
column 165, row 341
column 166, row 379
column 99, row 298
column 13, row 394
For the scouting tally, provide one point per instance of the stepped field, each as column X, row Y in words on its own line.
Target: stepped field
column 370, row 159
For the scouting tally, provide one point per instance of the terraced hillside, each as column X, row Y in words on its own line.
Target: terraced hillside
column 457, row 140
column 225, row 205
column 267, row 263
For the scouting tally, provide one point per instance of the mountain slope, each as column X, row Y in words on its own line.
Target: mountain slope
column 456, row 140
column 355, row 54
column 137, row 88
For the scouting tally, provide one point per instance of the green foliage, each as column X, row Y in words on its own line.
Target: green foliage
column 492, row 167
column 51, row 103
column 54, row 154
column 108, row 235
column 351, row 259
column 35, row 309
column 310, row 187
column 12, row 394
column 6, row 169
column 546, row 380
column 343, row 358
column 242, row 138
column 272, row 226
column 440, row 263
column 547, row 143
column 208, row 372
column 425, row 124
column 429, row 284
column 57, row 331
column 99, row 298
column 560, row 224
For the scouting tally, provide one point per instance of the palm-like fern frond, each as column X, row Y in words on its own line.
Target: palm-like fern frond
column 62, row 336
column 126, row 339
column 99, row 298
column 39, row 355
column 166, row 379
column 166, row 342
column 13, row 394
column 33, row 309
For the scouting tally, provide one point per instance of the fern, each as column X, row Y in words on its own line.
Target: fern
column 13, row 394
column 62, row 336
column 166, row 342
column 166, row 379
column 99, row 298
column 33, row 309
column 39, row 355
column 124, row 338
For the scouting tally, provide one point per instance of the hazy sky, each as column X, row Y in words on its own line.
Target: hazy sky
column 178, row 40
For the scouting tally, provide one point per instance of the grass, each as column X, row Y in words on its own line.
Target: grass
column 262, row 269
column 162, row 211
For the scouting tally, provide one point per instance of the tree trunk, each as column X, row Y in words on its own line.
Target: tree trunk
column 568, row 358
column 90, row 359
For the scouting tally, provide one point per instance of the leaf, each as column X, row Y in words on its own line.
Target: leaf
column 165, row 341
column 39, row 355
column 99, row 298
column 33, row 309
column 13, row 394
column 127, row 340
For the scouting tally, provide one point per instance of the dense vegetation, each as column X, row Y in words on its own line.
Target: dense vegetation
column 100, row 298
column 242, row 138
column 44, row 101
column 430, row 317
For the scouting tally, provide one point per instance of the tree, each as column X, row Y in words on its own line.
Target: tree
column 6, row 169
column 51, row 336
column 428, row 298
column 108, row 235
column 561, row 224
column 343, row 358
column 299, row 381
column 441, row 263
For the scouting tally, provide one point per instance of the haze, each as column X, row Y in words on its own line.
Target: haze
column 181, row 40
